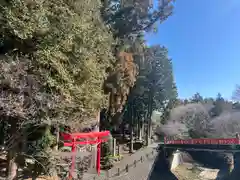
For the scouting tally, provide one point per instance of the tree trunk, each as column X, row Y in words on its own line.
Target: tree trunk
column 149, row 116
column 12, row 166
column 147, row 135
column 57, row 137
column 24, row 140
column 12, row 152
column 146, row 129
column 123, row 130
column 131, row 130
column 140, row 132
column 2, row 132
column 137, row 131
column 137, row 126
column 131, row 141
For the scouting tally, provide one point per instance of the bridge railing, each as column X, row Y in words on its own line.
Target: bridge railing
column 205, row 141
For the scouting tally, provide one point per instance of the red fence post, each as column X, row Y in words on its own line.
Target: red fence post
column 98, row 155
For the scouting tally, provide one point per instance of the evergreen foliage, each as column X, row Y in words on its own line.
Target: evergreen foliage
column 51, row 60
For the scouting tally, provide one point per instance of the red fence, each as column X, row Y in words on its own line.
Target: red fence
column 223, row 141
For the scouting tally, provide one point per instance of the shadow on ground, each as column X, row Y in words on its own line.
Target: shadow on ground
column 160, row 169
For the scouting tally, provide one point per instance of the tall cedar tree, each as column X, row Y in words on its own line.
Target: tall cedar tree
column 128, row 20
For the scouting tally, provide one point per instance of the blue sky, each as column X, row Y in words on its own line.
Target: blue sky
column 203, row 38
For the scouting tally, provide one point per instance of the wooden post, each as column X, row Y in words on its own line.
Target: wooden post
column 114, row 147
column 118, row 149
column 127, row 168
column 118, row 172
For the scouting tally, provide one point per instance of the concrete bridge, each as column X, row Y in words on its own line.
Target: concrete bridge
column 171, row 154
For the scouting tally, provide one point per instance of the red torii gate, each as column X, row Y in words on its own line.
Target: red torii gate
column 98, row 136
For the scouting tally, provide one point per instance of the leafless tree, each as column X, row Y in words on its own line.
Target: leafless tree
column 187, row 120
column 226, row 125
column 173, row 129
column 236, row 93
